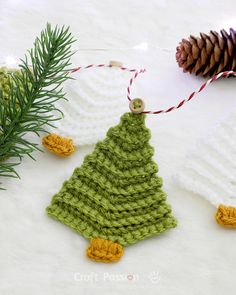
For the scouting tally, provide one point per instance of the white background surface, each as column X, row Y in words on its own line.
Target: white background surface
column 41, row 256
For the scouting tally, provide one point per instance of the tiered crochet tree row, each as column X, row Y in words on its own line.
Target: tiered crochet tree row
column 116, row 193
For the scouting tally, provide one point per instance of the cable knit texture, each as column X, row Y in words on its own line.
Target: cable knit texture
column 210, row 170
column 58, row 145
column 116, row 194
column 95, row 102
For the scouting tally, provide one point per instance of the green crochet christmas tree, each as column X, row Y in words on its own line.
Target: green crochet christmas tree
column 5, row 74
column 115, row 198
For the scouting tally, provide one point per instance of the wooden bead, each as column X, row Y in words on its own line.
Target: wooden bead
column 136, row 106
column 115, row 63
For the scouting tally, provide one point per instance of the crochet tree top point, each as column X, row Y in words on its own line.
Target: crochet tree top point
column 116, row 194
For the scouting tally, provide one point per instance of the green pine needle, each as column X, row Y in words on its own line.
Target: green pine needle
column 32, row 95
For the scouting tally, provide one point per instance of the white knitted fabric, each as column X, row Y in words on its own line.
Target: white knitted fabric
column 210, row 170
column 96, row 100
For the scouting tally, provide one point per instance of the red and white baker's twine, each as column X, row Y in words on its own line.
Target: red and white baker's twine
column 183, row 102
column 107, row 66
column 137, row 72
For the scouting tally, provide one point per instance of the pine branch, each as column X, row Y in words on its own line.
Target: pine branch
column 32, row 94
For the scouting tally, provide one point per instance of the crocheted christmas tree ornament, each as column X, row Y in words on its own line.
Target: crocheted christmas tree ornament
column 115, row 198
column 5, row 74
column 209, row 170
column 90, row 94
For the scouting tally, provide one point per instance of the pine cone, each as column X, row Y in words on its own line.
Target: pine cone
column 208, row 55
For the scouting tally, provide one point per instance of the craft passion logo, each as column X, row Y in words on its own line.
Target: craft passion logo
column 93, row 277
